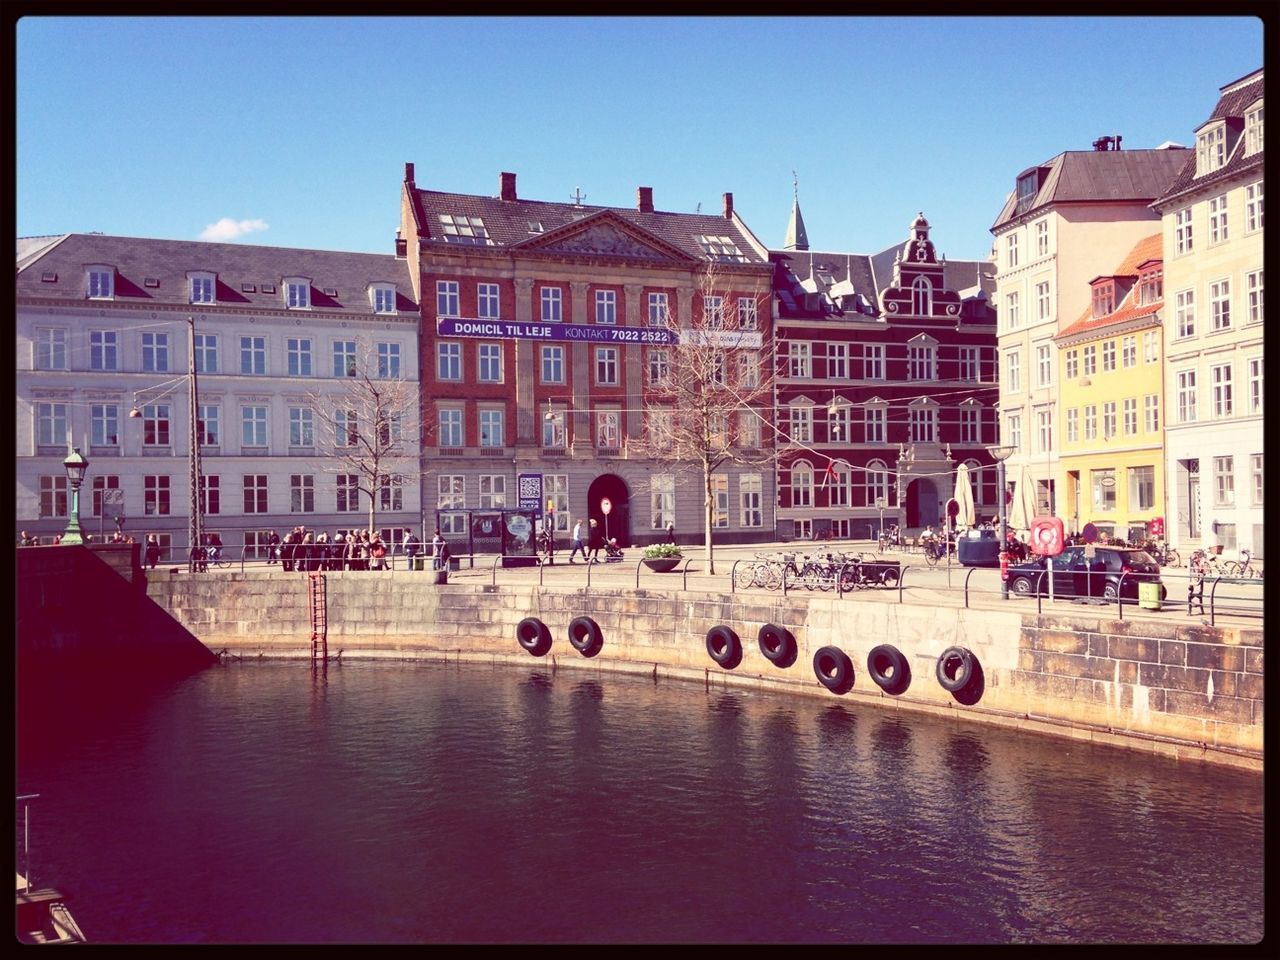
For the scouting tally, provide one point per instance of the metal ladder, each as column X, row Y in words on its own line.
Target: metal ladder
column 318, row 604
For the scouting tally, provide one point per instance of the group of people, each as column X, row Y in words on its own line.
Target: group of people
column 304, row 550
column 596, row 541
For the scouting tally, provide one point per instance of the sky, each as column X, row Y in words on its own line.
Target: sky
column 294, row 131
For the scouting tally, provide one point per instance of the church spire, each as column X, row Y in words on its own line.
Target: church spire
column 797, row 239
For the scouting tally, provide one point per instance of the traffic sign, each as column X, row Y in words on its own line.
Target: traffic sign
column 880, row 503
column 605, row 505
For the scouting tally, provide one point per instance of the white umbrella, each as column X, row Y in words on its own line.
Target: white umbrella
column 1024, row 503
column 964, row 497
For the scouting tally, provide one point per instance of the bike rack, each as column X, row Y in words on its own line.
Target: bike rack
column 902, row 578
column 972, row 571
column 733, row 576
column 685, row 573
column 494, row 568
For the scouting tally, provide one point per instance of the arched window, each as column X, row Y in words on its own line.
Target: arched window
column 801, row 484
column 876, row 483
column 976, row 476
column 922, row 296
column 838, row 484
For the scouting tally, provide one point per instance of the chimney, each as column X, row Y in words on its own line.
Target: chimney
column 1118, row 139
column 508, row 182
column 644, row 199
column 408, row 173
column 728, row 206
column 401, row 247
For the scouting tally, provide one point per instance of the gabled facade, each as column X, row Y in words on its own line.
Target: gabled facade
column 1067, row 220
column 886, row 383
column 1212, row 221
column 541, row 325
column 102, row 329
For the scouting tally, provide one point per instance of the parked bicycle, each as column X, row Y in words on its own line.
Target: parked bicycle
column 1206, row 564
column 936, row 549
column 1243, row 567
column 1162, row 553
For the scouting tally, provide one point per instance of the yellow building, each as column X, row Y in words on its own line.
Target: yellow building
column 1111, row 464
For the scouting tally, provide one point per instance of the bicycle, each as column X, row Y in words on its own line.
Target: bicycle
column 1243, row 567
column 935, row 550
column 1162, row 553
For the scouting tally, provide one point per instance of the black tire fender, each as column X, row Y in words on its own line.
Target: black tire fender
column 888, row 669
column 955, row 668
column 778, row 645
column 585, row 636
column 532, row 634
column 724, row 647
column 833, row 669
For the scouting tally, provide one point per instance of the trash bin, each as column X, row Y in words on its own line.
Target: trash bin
column 1149, row 596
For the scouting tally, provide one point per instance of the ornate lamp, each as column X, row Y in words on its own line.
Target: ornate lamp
column 76, row 467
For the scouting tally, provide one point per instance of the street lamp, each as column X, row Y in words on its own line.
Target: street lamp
column 76, row 466
column 1000, row 454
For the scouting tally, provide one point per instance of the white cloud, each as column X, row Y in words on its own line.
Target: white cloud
column 227, row 229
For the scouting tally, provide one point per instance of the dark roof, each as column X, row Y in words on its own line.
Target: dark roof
column 1233, row 102
column 165, row 263
column 1095, row 176
column 507, row 222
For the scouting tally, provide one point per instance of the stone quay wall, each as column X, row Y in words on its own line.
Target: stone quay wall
column 1180, row 690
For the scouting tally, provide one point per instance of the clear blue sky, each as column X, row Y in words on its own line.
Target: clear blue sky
column 297, row 129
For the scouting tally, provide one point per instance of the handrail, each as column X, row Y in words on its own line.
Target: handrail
column 840, row 579
column 640, row 563
column 685, row 571
column 494, row 569
column 1040, row 597
column 733, row 576
column 972, row 571
column 902, row 576
column 1119, row 595
column 1213, row 596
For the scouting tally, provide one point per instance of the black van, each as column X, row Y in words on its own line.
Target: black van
column 1075, row 575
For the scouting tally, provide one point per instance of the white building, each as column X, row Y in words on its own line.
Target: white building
column 102, row 329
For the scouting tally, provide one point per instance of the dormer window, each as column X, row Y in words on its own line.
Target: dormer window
column 1151, row 286
column 384, row 299
column 297, row 293
column 1211, row 149
column 1104, row 298
column 1253, row 129
column 201, row 287
column 1028, row 186
column 721, row 248
column 99, row 283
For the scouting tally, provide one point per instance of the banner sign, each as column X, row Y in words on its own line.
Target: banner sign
column 589, row 333
column 529, row 492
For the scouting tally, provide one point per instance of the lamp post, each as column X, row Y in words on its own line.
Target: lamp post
column 76, row 466
column 1000, row 454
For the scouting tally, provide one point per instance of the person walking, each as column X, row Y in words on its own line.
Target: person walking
column 437, row 550
column 576, row 543
column 153, row 551
column 411, row 546
column 273, row 547
column 671, row 531
column 596, row 539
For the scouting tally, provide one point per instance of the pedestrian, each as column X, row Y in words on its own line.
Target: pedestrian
column 412, row 546
column 576, row 543
column 671, row 531
column 27, row 540
column 547, row 538
column 153, row 551
column 273, row 547
column 596, row 539
column 287, row 548
column 438, row 547
column 377, row 553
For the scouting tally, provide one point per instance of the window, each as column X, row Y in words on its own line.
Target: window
column 1253, row 285
column 1108, row 420
column 658, row 366
column 608, row 434
column 607, row 366
column 1073, row 425
column 301, row 427
column 1220, row 376
column 1042, row 301
column 1211, row 149
column 1011, row 247
column 491, row 428
column 297, row 294
column 1104, row 489
column 105, row 421
column 838, row 361
column 1220, row 304
column 99, row 283
column 1142, row 488
column 447, row 299
column 1090, row 359
column 748, row 317
column 1042, row 238
column 1253, row 207
column 920, row 362
column 1151, row 412
column 876, row 478
column 389, row 361
column 384, row 299
column 1028, row 185
column 450, row 492
column 493, row 491
column 970, row 423
column 719, row 500
column 488, row 301
column 1129, row 351
column 155, row 425
column 1151, row 346
column 391, row 493
column 1011, row 310
column 103, row 352
column 489, row 361
column 1104, row 298
column 801, row 423
column 450, row 421
column 255, row 493
column 101, row 484
column 715, row 371
column 838, row 423
column 1185, row 312
column 748, row 369
column 749, row 430
column 1130, row 416
column 1109, row 356
column 51, row 349
column 1255, row 385
column 155, row 496
column 873, row 361
column 553, row 433
column 1044, row 431
column 968, row 366
column 202, row 289
column 209, row 424
column 552, row 305
column 662, row 501
column 659, row 422
column 721, row 248
column 800, row 360
column 555, row 488
column 348, row 493
column 1012, row 371
column 1253, row 130
column 658, row 310
column 344, row 358
column 253, row 355
column 874, row 420
column 1014, row 424
column 1044, row 365
column 750, row 499
column 1186, row 396
column 346, row 428
column 922, row 420
column 922, row 296
column 1224, row 482
column 448, row 361
column 552, row 364
column 1151, row 287
column 606, row 306
column 1182, row 239
column 1073, row 364
column 1255, row 468
column 801, row 485
column 837, row 481
column 298, row 350
column 155, row 352
column 302, row 493
column 253, row 426
column 1218, row 219
column 53, row 496
column 460, row 229
column 52, row 424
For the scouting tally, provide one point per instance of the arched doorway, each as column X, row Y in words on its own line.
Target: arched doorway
column 618, row 522
column 922, row 503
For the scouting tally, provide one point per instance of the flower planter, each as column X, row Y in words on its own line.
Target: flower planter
column 662, row 564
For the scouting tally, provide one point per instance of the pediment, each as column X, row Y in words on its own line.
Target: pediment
column 605, row 234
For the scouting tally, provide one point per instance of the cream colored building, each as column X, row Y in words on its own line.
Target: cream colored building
column 1212, row 219
column 1068, row 220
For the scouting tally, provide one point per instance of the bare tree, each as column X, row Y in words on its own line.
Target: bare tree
column 710, row 390
column 367, row 420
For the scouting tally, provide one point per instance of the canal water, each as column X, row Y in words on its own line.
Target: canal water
column 413, row 802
